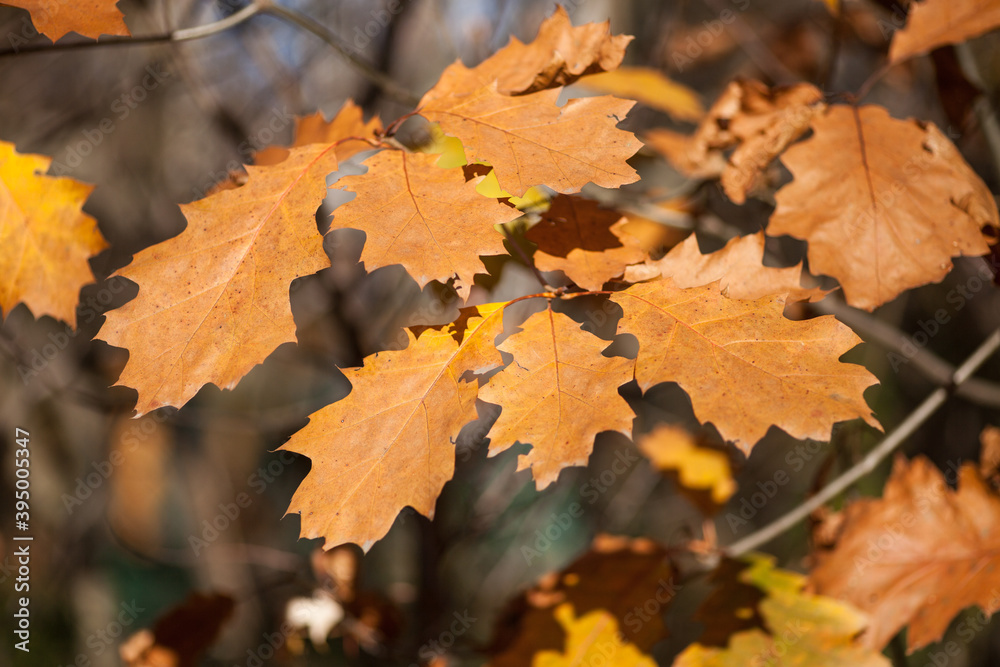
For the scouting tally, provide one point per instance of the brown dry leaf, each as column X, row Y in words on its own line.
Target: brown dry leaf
column 670, row 447
column 45, row 237
column 557, row 395
column 739, row 268
column 918, row 555
column 884, row 203
column 733, row 605
column 180, row 636
column 531, row 141
column 558, row 56
column 584, row 241
column 429, row 219
column 213, row 301
column 933, row 23
column 650, row 87
column 388, row 444
column 744, row 365
column 314, row 129
column 90, row 18
column 759, row 121
column 618, row 575
column 592, row 638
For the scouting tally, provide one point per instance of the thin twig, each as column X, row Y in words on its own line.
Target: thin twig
column 873, row 458
column 380, row 79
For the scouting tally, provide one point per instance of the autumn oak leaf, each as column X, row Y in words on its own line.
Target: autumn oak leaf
column 45, row 237
column 884, row 203
column 390, row 443
column 90, row 18
column 738, row 268
column 744, row 365
column 934, row 23
column 918, row 555
column 531, row 141
column 429, row 219
column 213, row 301
column 314, row 129
column 557, row 394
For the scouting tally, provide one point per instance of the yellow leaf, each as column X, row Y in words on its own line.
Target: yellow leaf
column 650, row 87
column 45, row 238
column 591, row 639
column 673, row 448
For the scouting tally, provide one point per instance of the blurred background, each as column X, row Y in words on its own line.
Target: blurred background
column 132, row 517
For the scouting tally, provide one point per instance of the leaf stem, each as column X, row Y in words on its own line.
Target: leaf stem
column 874, row 457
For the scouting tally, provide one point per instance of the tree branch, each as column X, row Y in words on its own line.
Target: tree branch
column 874, row 457
column 294, row 17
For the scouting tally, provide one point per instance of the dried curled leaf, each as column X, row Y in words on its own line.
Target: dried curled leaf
column 90, row 18
column 744, row 365
column 213, row 301
column 430, row 220
column 584, row 241
column 389, row 444
column 557, row 394
column 934, row 23
column 739, row 268
column 884, row 203
column 45, row 237
column 558, row 56
column 760, row 122
column 918, row 555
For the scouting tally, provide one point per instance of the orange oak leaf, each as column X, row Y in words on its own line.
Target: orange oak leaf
column 933, row 23
column 45, row 237
column 429, row 219
column 314, row 129
column 213, row 301
column 617, row 576
column 884, row 203
column 918, row 555
column 558, row 56
column 744, row 365
column 90, row 18
column 584, row 241
column 739, row 268
column 760, row 122
column 531, row 141
column 650, row 87
column 557, row 394
column 389, row 444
